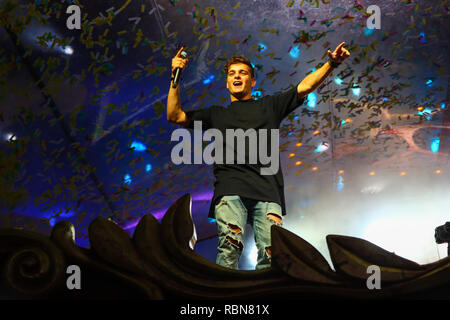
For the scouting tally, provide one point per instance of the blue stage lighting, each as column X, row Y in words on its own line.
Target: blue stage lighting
column 435, row 144
column 294, row 52
column 368, row 32
column 256, row 94
column 356, row 91
column 127, row 179
column 422, row 37
column 312, row 99
column 322, row 147
column 208, row 80
column 138, row 146
column 261, row 47
column 424, row 112
column 340, row 183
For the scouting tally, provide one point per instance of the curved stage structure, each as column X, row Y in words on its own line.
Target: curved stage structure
column 158, row 263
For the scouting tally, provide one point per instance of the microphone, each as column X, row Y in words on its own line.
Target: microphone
column 177, row 75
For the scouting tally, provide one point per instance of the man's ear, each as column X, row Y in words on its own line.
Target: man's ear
column 253, row 82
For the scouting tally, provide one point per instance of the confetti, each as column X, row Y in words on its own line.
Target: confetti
column 369, row 66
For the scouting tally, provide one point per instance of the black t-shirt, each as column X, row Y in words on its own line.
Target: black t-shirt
column 246, row 179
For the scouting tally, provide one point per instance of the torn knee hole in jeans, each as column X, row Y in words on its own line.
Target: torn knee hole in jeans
column 275, row 217
column 269, row 251
column 235, row 243
column 234, row 228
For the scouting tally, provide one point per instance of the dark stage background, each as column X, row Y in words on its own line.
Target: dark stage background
column 84, row 132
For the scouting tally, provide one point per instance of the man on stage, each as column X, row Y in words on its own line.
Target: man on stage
column 241, row 193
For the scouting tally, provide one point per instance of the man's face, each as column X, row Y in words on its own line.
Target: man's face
column 240, row 81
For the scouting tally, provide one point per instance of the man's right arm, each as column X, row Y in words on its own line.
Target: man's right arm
column 174, row 112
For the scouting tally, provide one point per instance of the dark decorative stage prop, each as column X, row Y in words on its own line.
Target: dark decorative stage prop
column 158, row 263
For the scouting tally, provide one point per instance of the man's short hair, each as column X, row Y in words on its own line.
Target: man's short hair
column 239, row 59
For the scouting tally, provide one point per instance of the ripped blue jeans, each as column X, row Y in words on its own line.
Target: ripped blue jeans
column 232, row 213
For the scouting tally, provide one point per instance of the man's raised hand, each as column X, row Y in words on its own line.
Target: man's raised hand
column 340, row 54
column 178, row 61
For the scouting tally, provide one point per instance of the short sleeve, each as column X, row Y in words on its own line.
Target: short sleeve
column 203, row 115
column 286, row 102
